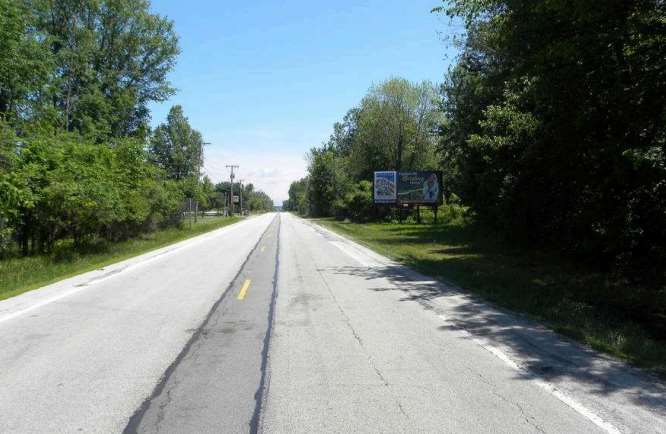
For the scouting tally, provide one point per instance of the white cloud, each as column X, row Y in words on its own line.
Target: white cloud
column 268, row 169
column 270, row 158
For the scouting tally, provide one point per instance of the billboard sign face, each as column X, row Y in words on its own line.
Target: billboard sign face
column 420, row 187
column 384, row 189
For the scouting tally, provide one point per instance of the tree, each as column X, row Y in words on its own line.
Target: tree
column 176, row 147
column 258, row 201
column 73, row 189
column 111, row 60
column 327, row 181
column 554, row 129
column 10, row 194
column 25, row 61
column 356, row 204
column 76, row 79
column 395, row 128
column 209, row 195
column 297, row 201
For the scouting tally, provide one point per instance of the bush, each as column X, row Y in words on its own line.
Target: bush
column 67, row 188
column 357, row 204
column 360, row 203
column 340, row 211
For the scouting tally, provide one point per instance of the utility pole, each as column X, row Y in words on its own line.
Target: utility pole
column 231, row 187
column 240, row 193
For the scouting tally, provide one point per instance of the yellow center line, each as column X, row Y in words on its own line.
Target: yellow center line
column 263, row 248
column 243, row 290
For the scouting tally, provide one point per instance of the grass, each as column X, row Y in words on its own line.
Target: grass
column 544, row 287
column 21, row 274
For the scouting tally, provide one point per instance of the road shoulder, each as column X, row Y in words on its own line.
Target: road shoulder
column 616, row 394
column 27, row 301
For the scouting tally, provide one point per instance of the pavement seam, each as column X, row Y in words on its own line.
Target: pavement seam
column 136, row 419
column 264, row 384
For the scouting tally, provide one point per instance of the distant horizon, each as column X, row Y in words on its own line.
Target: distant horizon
column 263, row 94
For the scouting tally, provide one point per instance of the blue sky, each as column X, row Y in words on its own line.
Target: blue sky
column 264, row 81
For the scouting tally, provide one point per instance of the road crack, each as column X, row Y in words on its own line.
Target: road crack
column 357, row 337
column 530, row 420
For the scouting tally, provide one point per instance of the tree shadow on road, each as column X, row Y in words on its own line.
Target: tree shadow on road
column 541, row 353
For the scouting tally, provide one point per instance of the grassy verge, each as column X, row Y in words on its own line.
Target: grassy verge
column 542, row 286
column 18, row 275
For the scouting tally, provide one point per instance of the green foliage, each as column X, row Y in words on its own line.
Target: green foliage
column 555, row 127
column 25, row 61
column 297, row 201
column 208, row 194
column 394, row 127
column 258, row 201
column 70, row 188
column 78, row 164
column 357, row 204
column 110, row 60
column 87, row 66
column 561, row 294
column 327, row 181
column 76, row 78
column 253, row 200
column 21, row 274
column 177, row 148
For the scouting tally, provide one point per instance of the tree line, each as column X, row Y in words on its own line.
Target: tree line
column 394, row 126
column 550, row 127
column 78, row 159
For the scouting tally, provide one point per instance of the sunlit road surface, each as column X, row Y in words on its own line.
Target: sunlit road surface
column 277, row 325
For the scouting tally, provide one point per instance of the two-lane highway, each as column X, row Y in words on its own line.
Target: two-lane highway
column 216, row 384
column 277, row 325
column 85, row 354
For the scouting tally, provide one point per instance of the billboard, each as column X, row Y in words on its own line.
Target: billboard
column 417, row 187
column 385, row 187
column 421, row 187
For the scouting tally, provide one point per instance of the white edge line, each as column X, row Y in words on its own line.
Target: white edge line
column 350, row 248
column 352, row 254
column 42, row 303
column 548, row 387
column 85, row 285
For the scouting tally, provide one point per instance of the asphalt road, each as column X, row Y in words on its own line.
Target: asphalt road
column 277, row 325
